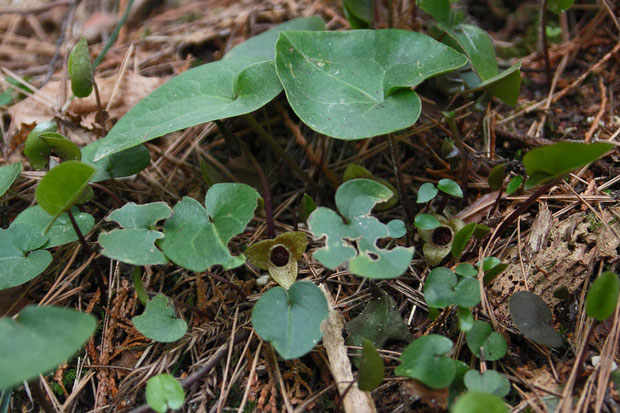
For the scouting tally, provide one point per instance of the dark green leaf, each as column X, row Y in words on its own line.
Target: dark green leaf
column 545, row 164
column 80, row 70
column 62, row 146
column 371, row 368
column 450, row 187
column 8, row 174
column 603, row 296
column 35, row 149
column 481, row 336
column 439, row 288
column 357, row 84
column 426, row 193
column 439, row 9
column 477, row 45
column 496, row 177
column 139, row 286
column 461, row 238
column 359, row 13
column 505, row 85
column 424, row 360
column 426, row 221
column 291, row 320
column 532, row 317
column 159, row 321
column 118, row 165
column 62, row 186
column 38, row 340
column 558, row 6
column 467, row 293
column 307, row 207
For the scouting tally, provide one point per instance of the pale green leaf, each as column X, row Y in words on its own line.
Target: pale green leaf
column 490, row 382
column 61, row 232
column 62, row 186
column 8, row 174
column 164, row 392
column 16, row 266
column 159, row 321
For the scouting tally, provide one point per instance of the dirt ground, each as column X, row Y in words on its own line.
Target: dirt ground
column 566, row 238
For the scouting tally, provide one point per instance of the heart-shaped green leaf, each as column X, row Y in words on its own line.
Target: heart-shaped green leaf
column 61, row 231
column 424, row 360
column 426, row 193
column 371, row 368
column 118, row 165
column 476, row 402
column 426, row 221
column 80, row 70
column 490, row 382
column 357, row 84
column 62, row 186
column 513, row 185
column 159, row 321
column 603, row 296
column 355, row 200
column 532, row 317
column 8, row 174
column 492, row 343
column 545, row 164
column 450, row 187
column 359, row 13
column 35, row 149
column 15, row 266
column 39, row 339
column 477, row 45
column 442, row 289
column 264, row 44
column 216, row 90
column 197, row 238
column 291, row 320
column 496, row 177
column 164, row 392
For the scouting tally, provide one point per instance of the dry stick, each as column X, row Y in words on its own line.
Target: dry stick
column 100, row 117
column 543, row 39
column 88, row 251
column 271, row 228
column 204, row 370
column 275, row 146
column 402, row 188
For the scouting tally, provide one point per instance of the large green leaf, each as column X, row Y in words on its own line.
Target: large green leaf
column 135, row 243
column 424, row 360
column 62, row 186
column 118, row 165
column 439, row 9
column 61, row 232
column 357, row 84
column 8, row 174
column 264, row 44
column 216, row 90
column 291, row 320
column 159, row 322
column 355, row 199
column 15, row 266
column 39, row 339
column 196, row 237
column 547, row 163
column 477, row 45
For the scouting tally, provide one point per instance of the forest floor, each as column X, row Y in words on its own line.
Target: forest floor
column 565, row 239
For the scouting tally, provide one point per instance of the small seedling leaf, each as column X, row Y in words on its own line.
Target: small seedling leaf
column 379, row 322
column 492, row 267
column 38, row 340
column 558, row 6
column 355, row 200
column 532, row 317
column 121, row 164
column 371, row 368
column 159, row 321
column 357, row 84
column 197, row 237
column 307, row 207
column 496, row 177
column 467, row 293
column 490, row 382
column 16, row 267
column 477, row 45
column 138, row 285
column 35, row 149
column 426, row 221
column 424, row 360
column 603, row 296
column 466, row 270
column 216, row 90
column 482, row 336
column 164, row 392
column 426, row 193
column 61, row 231
column 461, row 238
column 513, row 185
column 439, row 288
column 80, row 70
column 465, row 318
column 62, row 186
column 8, row 175
column 545, row 164
column 291, row 320
column 264, row 44
column 476, row 402
column 62, row 146
column 450, row 187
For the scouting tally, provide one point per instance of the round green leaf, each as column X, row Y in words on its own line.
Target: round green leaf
column 547, row 163
column 62, row 186
column 426, row 193
column 38, row 340
column 80, row 70
column 439, row 288
column 466, row 270
column 216, row 90
column 164, row 392
column 461, row 238
column 482, row 336
column 513, row 185
column 476, row 402
column 490, row 382
column 450, row 187
column 426, row 221
column 159, row 321
column 357, row 84
column 64, row 148
column 603, row 296
column 61, row 231
column 132, row 246
column 371, row 368
column 532, row 317
column 496, row 177
column 291, row 320
column 467, row 292
column 8, row 174
column 423, row 360
column 35, row 149
column 15, row 266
